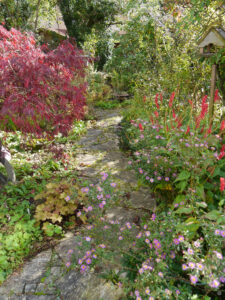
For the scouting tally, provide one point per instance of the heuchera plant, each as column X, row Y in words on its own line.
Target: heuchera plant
column 39, row 92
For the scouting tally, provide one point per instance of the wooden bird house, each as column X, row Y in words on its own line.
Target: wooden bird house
column 210, row 42
column 213, row 38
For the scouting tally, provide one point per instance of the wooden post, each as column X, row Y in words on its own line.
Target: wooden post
column 212, row 93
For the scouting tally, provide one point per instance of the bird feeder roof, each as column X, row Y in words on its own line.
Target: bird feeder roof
column 214, row 35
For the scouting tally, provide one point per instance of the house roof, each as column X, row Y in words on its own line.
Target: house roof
column 214, row 35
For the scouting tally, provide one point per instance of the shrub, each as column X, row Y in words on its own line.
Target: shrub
column 166, row 257
column 40, row 92
column 177, row 152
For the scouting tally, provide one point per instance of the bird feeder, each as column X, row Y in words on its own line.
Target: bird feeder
column 213, row 39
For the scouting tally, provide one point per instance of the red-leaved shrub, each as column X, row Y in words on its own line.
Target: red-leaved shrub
column 39, row 92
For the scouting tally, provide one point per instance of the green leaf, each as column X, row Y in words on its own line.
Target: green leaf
column 200, row 191
column 184, row 210
column 213, row 215
column 182, row 185
column 184, row 175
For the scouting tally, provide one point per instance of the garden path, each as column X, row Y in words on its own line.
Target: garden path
column 44, row 276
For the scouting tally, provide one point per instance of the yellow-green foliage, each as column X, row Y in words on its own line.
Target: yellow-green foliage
column 60, row 200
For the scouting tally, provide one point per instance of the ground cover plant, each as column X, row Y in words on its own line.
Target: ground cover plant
column 163, row 257
column 38, row 162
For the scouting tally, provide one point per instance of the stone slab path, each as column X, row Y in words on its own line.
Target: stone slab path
column 44, row 276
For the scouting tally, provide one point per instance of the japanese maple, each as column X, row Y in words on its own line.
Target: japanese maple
column 40, row 92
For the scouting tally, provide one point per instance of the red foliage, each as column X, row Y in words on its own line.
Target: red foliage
column 41, row 92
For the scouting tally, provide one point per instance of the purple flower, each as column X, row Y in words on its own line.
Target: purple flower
column 191, row 265
column 159, row 178
column 88, row 261
column 88, row 238
column 193, row 279
column 190, row 251
column 214, row 284
column 68, row 264
column 147, row 291
column 180, row 238
column 120, row 238
column 184, row 267
column 153, row 217
column 176, row 241
column 113, row 184
column 222, row 233
column 217, row 232
column 83, row 268
column 85, row 190
column 157, row 244
column 197, row 244
column 102, row 246
column 200, row 266
column 167, row 178
column 139, row 235
column 222, row 279
column 140, row 171
column 67, row 198
column 151, row 180
column 177, row 292
column 147, row 233
column 218, row 255
column 160, row 274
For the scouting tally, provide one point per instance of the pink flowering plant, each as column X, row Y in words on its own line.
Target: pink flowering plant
column 178, row 151
column 156, row 259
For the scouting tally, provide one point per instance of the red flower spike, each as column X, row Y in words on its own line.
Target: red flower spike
column 171, row 99
column 222, row 184
column 216, row 97
column 156, row 114
column 222, row 127
column 144, row 99
column 209, row 130
column 140, row 127
column 161, row 98
column 204, row 100
column 174, row 115
column 222, row 153
column 188, row 130
column 152, row 120
column 156, row 100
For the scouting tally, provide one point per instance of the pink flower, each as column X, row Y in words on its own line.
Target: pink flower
column 83, row 268
column 68, row 264
column 88, row 261
column 193, row 279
